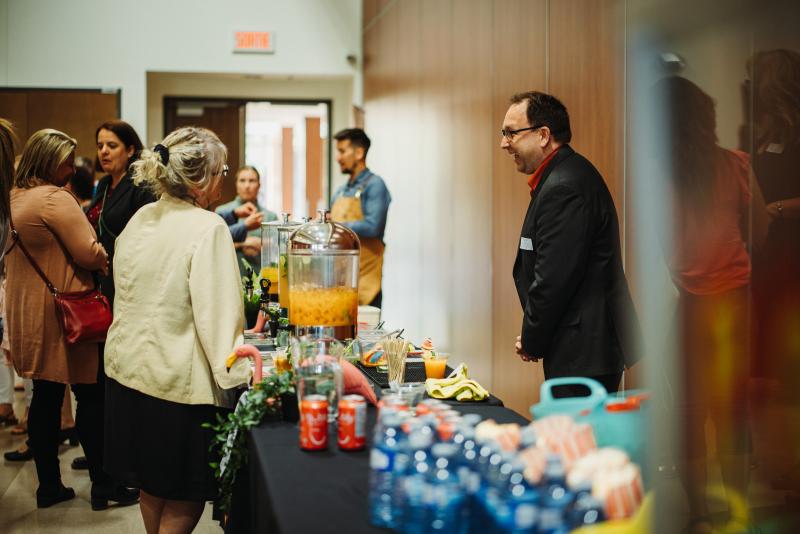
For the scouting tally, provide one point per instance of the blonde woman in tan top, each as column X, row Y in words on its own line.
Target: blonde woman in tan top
column 178, row 314
column 56, row 233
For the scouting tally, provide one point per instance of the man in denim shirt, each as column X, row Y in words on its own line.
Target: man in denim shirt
column 362, row 204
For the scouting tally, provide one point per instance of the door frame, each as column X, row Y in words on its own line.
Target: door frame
column 102, row 90
column 170, row 99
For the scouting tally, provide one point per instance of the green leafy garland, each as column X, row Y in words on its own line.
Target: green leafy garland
column 230, row 440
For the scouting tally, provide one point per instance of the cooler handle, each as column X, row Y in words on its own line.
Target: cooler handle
column 596, row 390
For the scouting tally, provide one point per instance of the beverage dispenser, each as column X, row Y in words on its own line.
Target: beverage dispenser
column 323, row 259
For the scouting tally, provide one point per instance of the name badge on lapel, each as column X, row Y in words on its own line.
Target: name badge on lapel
column 525, row 243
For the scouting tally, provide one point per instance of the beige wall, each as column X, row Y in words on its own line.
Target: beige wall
column 94, row 44
column 161, row 84
column 437, row 79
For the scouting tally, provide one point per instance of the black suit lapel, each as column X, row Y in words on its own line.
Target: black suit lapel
column 563, row 153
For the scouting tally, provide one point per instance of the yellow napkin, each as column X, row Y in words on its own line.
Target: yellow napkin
column 456, row 386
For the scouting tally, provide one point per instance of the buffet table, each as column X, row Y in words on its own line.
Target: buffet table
column 286, row 490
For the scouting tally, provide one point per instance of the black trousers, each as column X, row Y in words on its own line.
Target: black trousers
column 610, row 382
column 44, row 428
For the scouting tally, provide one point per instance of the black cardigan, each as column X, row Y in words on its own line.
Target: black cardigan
column 125, row 200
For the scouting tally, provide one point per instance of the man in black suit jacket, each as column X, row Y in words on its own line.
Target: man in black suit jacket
column 578, row 313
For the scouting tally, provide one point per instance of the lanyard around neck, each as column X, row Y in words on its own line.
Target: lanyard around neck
column 101, row 225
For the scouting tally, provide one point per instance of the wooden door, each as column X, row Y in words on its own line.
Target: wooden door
column 77, row 113
column 226, row 119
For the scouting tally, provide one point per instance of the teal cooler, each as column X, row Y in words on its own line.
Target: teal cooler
column 618, row 420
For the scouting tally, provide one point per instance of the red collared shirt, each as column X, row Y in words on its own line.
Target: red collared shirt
column 536, row 177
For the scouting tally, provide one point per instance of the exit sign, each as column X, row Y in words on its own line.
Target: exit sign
column 254, row 43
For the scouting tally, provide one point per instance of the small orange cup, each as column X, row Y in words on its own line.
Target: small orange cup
column 435, row 365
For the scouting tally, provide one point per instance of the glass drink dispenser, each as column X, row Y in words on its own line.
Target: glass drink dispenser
column 274, row 237
column 323, row 278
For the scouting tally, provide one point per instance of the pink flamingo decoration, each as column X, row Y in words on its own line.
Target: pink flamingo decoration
column 247, row 351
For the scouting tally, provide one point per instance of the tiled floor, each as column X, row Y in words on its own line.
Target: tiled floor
column 19, row 515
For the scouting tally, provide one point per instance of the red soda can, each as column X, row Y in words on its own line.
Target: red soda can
column 314, row 423
column 352, row 423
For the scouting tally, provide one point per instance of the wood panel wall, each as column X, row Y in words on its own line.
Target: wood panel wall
column 77, row 113
column 518, row 24
column 313, row 164
column 437, row 78
column 287, row 169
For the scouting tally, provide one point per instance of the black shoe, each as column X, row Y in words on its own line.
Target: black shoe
column 118, row 493
column 17, row 456
column 80, row 463
column 69, row 434
column 46, row 498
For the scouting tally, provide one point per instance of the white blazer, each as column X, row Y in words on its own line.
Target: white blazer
column 178, row 311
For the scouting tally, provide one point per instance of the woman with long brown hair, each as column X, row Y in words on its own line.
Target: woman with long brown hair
column 772, row 92
column 710, row 266
column 116, row 200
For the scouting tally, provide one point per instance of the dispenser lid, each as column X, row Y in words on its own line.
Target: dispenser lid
column 323, row 234
column 283, row 222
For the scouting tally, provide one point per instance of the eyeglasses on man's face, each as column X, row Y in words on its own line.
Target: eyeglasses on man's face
column 509, row 134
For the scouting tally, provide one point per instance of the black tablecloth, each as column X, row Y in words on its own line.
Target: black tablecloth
column 286, row 490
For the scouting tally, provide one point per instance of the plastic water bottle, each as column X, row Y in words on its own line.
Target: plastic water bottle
column 410, row 486
column 586, row 511
column 528, row 437
column 471, row 419
column 415, row 489
column 518, row 512
column 496, row 497
column 494, row 475
column 582, row 489
column 447, row 500
column 402, row 466
column 382, row 475
column 468, row 477
column 480, row 521
column 428, row 426
column 555, row 498
column 385, row 413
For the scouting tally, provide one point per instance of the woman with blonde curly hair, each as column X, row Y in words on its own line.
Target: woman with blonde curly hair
column 178, row 313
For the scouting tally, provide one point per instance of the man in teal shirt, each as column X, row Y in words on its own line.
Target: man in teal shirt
column 248, row 182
